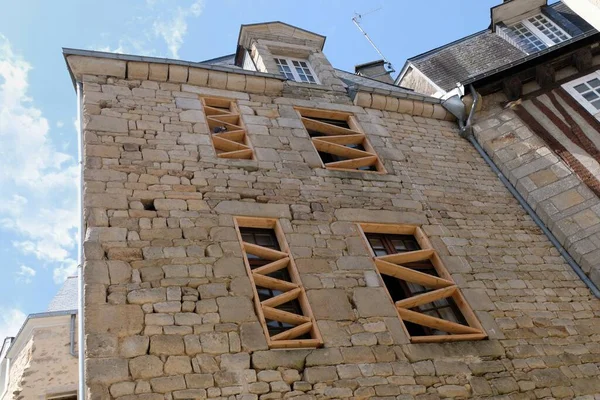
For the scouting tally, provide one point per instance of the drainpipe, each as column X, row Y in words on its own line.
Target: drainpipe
column 80, row 325
column 466, row 131
column 72, row 335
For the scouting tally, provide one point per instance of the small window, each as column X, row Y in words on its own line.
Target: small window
column 227, row 131
column 339, row 140
column 279, row 297
column 586, row 90
column 296, row 70
column 537, row 33
column 427, row 300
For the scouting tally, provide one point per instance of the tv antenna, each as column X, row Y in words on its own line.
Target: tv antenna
column 356, row 19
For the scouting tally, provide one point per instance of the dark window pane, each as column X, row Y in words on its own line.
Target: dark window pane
column 582, row 87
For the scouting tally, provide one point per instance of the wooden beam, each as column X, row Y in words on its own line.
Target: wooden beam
column 293, row 332
column 339, row 150
column 213, row 123
column 447, row 338
column 272, row 267
column 227, row 145
column 264, row 252
column 408, row 257
column 273, row 283
column 252, row 222
column 284, row 316
column 433, row 322
column 353, row 163
column 426, row 298
column 392, row 229
column 295, row 344
column 234, row 136
column 232, row 119
column 411, row 275
column 342, row 139
column 208, row 110
column 327, row 114
column 327, row 129
column 582, row 59
column 545, row 75
column 512, row 88
column 238, row 154
column 218, row 102
column 282, row 298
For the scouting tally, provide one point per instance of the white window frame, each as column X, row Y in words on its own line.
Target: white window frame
column 540, row 35
column 570, row 88
column 297, row 78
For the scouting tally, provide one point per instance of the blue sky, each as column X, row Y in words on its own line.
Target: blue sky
column 38, row 142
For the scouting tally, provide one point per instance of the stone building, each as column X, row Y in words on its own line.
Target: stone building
column 41, row 361
column 537, row 70
column 265, row 226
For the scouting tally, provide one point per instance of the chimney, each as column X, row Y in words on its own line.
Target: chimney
column 376, row 70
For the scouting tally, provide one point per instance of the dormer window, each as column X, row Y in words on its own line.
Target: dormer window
column 296, row 70
column 537, row 33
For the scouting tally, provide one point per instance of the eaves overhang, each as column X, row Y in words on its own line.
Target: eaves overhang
column 539, row 57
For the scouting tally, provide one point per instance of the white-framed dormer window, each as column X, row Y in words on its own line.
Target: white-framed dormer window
column 586, row 90
column 537, row 33
column 296, row 70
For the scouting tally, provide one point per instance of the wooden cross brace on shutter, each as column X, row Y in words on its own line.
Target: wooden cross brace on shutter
column 291, row 290
column 443, row 285
column 337, row 139
column 227, row 132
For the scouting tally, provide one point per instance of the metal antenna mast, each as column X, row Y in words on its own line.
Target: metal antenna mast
column 356, row 19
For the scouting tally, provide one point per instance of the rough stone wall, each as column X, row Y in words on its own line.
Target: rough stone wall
column 44, row 366
column 566, row 204
column 167, row 301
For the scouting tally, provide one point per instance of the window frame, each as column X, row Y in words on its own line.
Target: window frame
column 354, row 131
column 447, row 286
column 570, row 88
column 235, row 146
column 289, row 62
column 537, row 32
column 295, row 288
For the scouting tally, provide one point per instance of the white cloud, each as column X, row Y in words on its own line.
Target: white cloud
column 39, row 181
column 68, row 268
column 173, row 30
column 25, row 274
column 11, row 320
column 60, row 124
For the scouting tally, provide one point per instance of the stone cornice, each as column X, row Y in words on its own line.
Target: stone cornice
column 404, row 103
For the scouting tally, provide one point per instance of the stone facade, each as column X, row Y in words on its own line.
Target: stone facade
column 42, row 366
column 168, row 310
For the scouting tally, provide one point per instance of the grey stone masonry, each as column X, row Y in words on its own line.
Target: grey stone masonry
column 166, row 286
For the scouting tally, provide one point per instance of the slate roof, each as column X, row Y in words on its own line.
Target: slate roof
column 476, row 54
column 66, row 298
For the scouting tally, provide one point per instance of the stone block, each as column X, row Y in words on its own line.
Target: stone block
column 106, row 200
column 106, row 370
column 236, row 309
column 188, row 104
column 229, row 267
column 381, row 216
column 192, row 116
column 167, row 345
column 177, row 365
column 158, row 72
column 331, row 304
column 98, row 150
column 167, row 383
column 235, row 362
column 214, row 342
column 249, row 209
column 199, row 381
column 253, row 337
column 137, row 70
column 154, row 155
column 197, row 76
column 104, row 123
column 320, row 374
column 272, row 359
column 178, row 73
column 143, row 296
column 217, row 79
column 122, row 320
column 373, row 302
column 83, row 65
column 146, row 367
column 133, row 346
